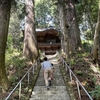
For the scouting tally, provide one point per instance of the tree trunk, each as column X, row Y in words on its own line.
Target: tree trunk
column 30, row 43
column 74, row 32
column 96, row 36
column 63, row 26
column 76, row 29
column 5, row 6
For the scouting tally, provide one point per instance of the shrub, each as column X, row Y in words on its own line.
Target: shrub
column 96, row 93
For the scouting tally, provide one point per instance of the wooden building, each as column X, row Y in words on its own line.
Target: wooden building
column 48, row 41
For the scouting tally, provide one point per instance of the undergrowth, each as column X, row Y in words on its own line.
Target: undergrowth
column 81, row 64
column 16, row 67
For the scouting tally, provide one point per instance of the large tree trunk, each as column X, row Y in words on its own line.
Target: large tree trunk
column 63, row 26
column 30, row 43
column 5, row 6
column 74, row 32
column 96, row 37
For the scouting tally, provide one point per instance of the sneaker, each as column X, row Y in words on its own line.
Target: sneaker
column 49, row 82
column 47, row 87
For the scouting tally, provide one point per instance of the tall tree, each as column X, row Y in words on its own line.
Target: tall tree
column 74, row 32
column 87, row 17
column 30, row 44
column 63, row 27
column 5, row 6
column 96, row 37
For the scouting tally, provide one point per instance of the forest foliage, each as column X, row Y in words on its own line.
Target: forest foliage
column 46, row 15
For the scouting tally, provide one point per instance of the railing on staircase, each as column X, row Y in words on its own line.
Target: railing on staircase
column 20, row 82
column 78, row 83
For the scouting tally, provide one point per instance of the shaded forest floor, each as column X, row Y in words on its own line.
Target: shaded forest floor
column 88, row 74
column 15, row 76
column 80, row 63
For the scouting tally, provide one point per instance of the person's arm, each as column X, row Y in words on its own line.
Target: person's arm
column 52, row 67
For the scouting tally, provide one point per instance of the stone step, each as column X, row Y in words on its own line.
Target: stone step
column 52, row 88
column 44, row 99
column 51, row 97
column 41, row 93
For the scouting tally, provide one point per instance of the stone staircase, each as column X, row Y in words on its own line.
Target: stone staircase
column 58, row 90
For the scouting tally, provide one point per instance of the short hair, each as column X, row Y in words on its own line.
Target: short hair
column 45, row 59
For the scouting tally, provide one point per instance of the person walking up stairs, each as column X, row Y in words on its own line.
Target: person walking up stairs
column 47, row 72
column 57, row 90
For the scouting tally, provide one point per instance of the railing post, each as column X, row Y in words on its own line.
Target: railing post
column 20, row 91
column 28, row 76
column 66, row 67
column 70, row 75
column 78, row 89
column 63, row 63
column 33, row 69
column 36, row 65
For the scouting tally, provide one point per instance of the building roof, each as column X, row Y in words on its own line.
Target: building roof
column 47, row 31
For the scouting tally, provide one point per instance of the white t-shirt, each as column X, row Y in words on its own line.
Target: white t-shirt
column 46, row 64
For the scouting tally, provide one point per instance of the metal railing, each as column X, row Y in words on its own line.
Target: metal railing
column 78, row 83
column 20, row 82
